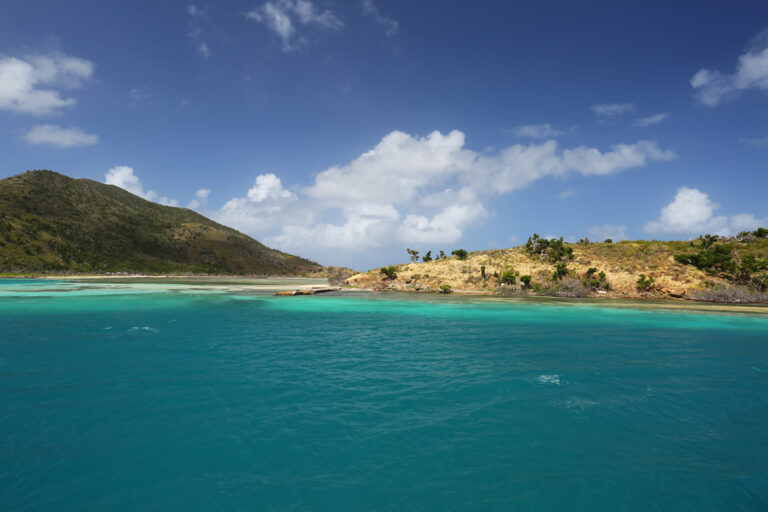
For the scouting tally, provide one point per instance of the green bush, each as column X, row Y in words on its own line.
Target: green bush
column 711, row 260
column 561, row 270
column 427, row 257
column 445, row 288
column 460, row 254
column 526, row 280
column 509, row 276
column 390, row 272
column 645, row 284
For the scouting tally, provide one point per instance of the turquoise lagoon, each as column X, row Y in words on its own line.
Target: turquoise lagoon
column 219, row 396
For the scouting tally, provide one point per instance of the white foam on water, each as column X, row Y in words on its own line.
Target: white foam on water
column 553, row 379
column 145, row 329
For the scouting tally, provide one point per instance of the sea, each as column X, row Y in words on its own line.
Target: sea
column 220, row 396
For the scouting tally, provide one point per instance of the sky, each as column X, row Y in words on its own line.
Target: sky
column 346, row 132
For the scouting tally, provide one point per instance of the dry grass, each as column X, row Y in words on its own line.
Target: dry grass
column 622, row 262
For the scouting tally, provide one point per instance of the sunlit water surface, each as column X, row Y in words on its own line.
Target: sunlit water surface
column 130, row 396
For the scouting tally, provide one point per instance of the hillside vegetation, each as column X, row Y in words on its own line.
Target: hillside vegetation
column 52, row 223
column 683, row 269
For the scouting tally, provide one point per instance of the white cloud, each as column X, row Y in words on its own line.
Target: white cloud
column 412, row 190
column 388, row 23
column 447, row 226
column 55, row 135
column 712, row 86
column 590, row 161
column 197, row 17
column 693, row 213
column 122, row 176
column 615, row 233
column 201, row 198
column 651, row 120
column 565, row 194
column 280, row 16
column 536, row 131
column 755, row 141
column 268, row 186
column 29, row 84
column 609, row 110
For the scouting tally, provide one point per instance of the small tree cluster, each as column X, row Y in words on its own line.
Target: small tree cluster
column 713, row 260
column 509, row 276
column 553, row 249
column 561, row 270
column 390, row 272
column 460, row 254
column 596, row 280
column 719, row 260
column 414, row 255
column 645, row 284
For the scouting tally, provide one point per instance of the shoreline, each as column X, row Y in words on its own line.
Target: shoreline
column 295, row 283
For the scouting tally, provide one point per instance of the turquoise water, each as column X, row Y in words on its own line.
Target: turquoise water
column 177, row 397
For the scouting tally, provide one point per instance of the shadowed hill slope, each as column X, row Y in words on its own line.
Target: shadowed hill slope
column 50, row 222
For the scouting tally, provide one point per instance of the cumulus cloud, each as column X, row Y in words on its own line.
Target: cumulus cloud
column 651, row 120
column 54, row 135
column 615, row 233
column 610, row 110
column 265, row 205
column 751, row 72
column 123, row 176
column 693, row 213
column 32, row 84
column 388, row 23
column 197, row 17
column 412, row 190
column 201, row 198
column 281, row 17
column 268, row 186
column 536, row 131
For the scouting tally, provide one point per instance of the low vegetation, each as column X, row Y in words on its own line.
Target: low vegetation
column 701, row 269
column 55, row 224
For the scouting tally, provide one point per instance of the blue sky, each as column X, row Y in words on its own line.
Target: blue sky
column 348, row 131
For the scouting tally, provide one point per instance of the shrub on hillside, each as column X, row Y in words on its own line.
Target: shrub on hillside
column 390, row 272
column 731, row 294
column 509, row 276
column 460, row 254
column 645, row 284
column 568, row 288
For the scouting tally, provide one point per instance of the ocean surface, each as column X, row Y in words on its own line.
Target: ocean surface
column 184, row 397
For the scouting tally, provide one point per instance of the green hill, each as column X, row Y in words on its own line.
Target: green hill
column 52, row 223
